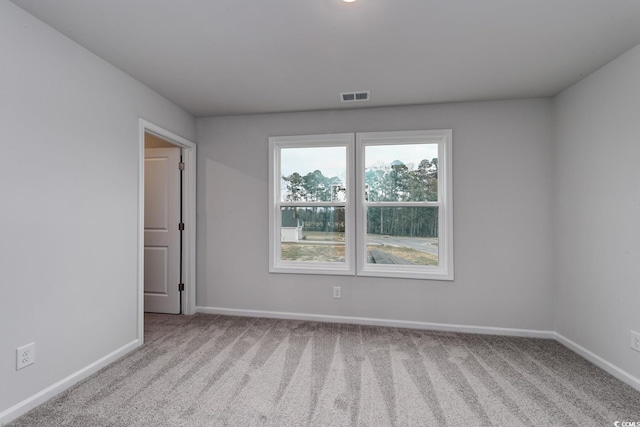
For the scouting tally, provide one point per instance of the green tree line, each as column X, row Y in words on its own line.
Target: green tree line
column 396, row 182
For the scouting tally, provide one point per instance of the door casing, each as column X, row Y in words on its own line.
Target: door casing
column 189, row 218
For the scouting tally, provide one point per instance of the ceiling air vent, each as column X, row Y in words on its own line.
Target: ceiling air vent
column 355, row 96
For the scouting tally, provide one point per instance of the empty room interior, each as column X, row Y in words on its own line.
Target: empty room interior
column 320, row 212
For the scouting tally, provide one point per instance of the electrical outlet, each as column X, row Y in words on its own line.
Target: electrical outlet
column 635, row 340
column 337, row 292
column 25, row 356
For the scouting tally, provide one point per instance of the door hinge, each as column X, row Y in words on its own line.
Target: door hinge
column 180, row 287
column 181, row 226
column 181, row 166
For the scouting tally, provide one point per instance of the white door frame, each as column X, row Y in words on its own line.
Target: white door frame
column 189, row 216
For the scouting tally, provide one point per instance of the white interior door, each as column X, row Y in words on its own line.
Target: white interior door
column 161, row 233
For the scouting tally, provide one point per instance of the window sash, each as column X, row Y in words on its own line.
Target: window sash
column 444, row 270
column 276, row 263
column 316, row 204
column 401, row 204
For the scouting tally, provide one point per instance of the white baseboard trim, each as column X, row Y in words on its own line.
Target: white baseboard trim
column 57, row 388
column 599, row 361
column 445, row 327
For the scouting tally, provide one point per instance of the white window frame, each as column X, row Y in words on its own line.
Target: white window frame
column 444, row 269
column 276, row 264
column 356, row 206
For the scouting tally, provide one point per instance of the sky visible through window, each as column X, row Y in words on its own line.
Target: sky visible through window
column 409, row 154
column 331, row 161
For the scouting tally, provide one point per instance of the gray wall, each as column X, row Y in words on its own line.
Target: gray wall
column 68, row 190
column 502, row 208
column 597, row 211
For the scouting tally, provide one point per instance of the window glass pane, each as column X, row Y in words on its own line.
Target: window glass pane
column 402, row 235
column 313, row 174
column 401, row 173
column 314, row 234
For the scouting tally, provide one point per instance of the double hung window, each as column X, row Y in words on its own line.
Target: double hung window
column 372, row 204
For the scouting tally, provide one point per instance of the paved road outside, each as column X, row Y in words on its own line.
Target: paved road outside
column 422, row 244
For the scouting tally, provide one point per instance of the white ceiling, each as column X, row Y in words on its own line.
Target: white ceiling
column 221, row 57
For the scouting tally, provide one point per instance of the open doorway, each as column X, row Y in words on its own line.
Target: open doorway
column 166, row 223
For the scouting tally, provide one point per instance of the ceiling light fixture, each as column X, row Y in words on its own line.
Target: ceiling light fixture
column 348, row 1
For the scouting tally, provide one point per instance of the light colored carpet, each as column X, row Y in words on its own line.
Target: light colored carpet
column 207, row 370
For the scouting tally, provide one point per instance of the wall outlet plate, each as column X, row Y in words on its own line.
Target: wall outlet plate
column 337, row 292
column 635, row 340
column 25, row 356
